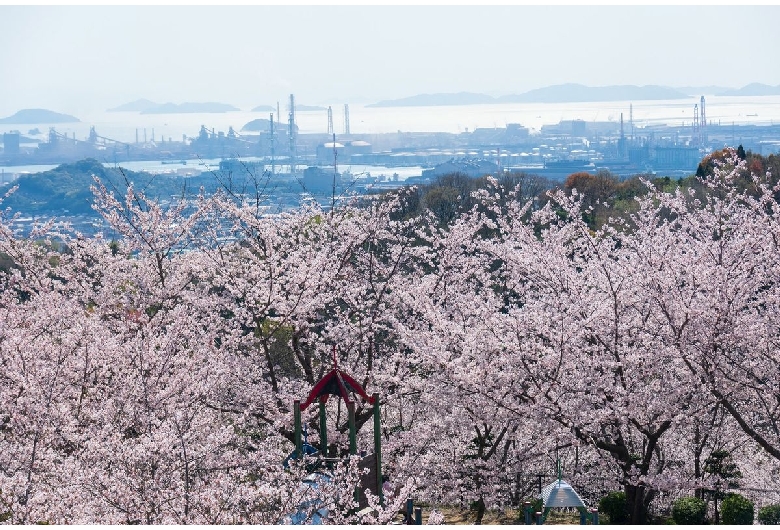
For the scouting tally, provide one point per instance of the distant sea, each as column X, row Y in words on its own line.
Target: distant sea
column 122, row 126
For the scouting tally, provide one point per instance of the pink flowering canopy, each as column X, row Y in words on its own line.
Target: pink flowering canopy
column 151, row 378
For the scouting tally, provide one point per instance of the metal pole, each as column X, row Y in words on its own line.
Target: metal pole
column 297, row 419
column 353, row 441
column 352, row 432
column 292, row 135
column 273, row 160
column 378, row 449
column 323, row 430
column 717, row 515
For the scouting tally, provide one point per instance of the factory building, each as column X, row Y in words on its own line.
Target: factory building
column 11, row 143
column 321, row 179
column 677, row 157
column 344, row 151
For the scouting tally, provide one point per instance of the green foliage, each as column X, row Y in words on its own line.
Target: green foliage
column 689, row 510
column 6, row 262
column 450, row 195
column 443, row 202
column 66, row 188
column 276, row 339
column 769, row 514
column 720, row 464
column 736, row 509
column 615, row 506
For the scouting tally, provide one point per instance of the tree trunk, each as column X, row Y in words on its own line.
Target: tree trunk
column 638, row 499
column 480, row 510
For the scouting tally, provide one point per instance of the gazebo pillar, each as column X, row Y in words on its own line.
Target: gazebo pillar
column 352, row 430
column 323, row 430
column 378, row 449
column 297, row 420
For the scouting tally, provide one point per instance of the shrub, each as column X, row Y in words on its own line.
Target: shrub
column 769, row 514
column 615, row 506
column 689, row 510
column 736, row 509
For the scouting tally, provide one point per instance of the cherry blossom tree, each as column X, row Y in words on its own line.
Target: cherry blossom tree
column 150, row 379
column 718, row 296
column 116, row 356
column 557, row 333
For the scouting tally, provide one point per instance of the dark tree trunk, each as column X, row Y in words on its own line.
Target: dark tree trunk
column 480, row 510
column 638, row 500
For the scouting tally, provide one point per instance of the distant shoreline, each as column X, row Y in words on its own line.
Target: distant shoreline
column 575, row 93
column 133, row 127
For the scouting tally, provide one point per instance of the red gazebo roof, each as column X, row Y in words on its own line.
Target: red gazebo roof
column 335, row 383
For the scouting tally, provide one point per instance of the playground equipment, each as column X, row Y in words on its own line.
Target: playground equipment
column 560, row 494
column 343, row 386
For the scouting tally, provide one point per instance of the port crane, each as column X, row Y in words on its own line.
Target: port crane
column 233, row 135
column 94, row 137
column 55, row 137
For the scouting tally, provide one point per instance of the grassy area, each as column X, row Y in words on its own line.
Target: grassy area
column 457, row 515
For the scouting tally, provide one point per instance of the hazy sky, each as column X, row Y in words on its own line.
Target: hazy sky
column 76, row 59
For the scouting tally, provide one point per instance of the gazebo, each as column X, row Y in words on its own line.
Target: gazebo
column 341, row 385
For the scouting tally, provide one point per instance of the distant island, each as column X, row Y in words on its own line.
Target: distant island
column 263, row 108
column 264, row 125
column 575, row 93
column 753, row 89
column 38, row 116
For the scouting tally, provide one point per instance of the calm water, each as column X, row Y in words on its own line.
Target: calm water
column 122, row 126
column 9, row 173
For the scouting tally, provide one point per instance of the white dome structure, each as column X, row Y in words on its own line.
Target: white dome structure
column 560, row 494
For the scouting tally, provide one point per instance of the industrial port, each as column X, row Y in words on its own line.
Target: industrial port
column 557, row 150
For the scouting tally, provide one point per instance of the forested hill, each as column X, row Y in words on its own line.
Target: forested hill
column 603, row 194
column 66, row 188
